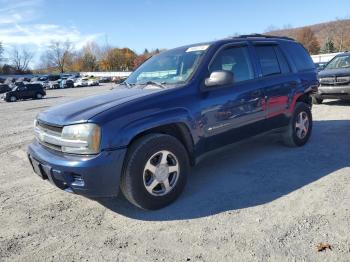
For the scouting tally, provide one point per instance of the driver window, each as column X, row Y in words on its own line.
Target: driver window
column 235, row 60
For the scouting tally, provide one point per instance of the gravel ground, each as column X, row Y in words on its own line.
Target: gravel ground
column 252, row 201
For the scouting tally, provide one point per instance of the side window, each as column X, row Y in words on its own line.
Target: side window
column 299, row 55
column 236, row 60
column 268, row 60
column 282, row 61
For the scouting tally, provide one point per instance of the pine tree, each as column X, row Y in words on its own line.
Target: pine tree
column 328, row 47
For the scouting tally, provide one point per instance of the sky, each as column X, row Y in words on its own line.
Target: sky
column 140, row 24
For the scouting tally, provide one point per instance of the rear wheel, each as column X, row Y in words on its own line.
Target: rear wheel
column 155, row 171
column 300, row 126
column 38, row 96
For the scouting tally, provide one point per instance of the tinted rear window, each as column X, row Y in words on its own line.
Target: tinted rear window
column 299, row 55
column 34, row 86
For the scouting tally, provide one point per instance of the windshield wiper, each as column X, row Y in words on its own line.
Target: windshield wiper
column 128, row 85
column 161, row 85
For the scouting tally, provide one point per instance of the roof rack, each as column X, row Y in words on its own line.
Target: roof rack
column 264, row 36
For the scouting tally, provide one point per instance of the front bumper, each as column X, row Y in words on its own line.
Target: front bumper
column 91, row 176
column 334, row 91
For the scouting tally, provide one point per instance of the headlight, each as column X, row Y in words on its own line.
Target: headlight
column 81, row 139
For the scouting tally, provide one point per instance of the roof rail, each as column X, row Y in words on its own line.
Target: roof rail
column 264, row 36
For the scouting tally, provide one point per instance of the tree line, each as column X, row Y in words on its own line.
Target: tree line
column 327, row 37
column 60, row 57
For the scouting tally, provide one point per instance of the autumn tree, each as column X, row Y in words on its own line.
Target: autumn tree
column 59, row 55
column 20, row 59
column 139, row 60
column 307, row 37
column 87, row 58
column 118, row 59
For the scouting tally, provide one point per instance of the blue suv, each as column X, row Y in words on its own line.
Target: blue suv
column 144, row 136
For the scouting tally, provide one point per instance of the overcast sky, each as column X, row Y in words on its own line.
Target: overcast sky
column 152, row 23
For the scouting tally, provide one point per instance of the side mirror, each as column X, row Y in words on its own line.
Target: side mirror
column 219, row 78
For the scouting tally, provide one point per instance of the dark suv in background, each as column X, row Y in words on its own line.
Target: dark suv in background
column 4, row 88
column 25, row 91
column 334, row 79
column 175, row 107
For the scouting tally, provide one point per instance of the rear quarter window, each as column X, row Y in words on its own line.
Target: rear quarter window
column 299, row 56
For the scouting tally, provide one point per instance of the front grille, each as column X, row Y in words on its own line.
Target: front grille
column 48, row 135
column 343, row 79
column 339, row 80
column 327, row 80
column 50, row 127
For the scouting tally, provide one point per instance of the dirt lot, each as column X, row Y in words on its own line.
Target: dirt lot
column 253, row 201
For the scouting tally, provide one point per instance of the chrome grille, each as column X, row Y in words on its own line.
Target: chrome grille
column 48, row 135
column 327, row 80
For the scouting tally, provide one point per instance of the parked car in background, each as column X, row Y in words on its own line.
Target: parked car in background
column 10, row 80
column 53, row 84
column 25, row 91
column 80, row 82
column 53, row 77
column 334, row 79
column 105, row 79
column 118, row 79
column 23, row 79
column 93, row 82
column 2, row 80
column 43, row 78
column 320, row 66
column 4, row 88
column 175, row 107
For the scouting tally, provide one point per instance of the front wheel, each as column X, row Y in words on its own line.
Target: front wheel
column 300, row 126
column 155, row 171
column 13, row 99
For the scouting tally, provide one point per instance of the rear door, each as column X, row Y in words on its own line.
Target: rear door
column 278, row 82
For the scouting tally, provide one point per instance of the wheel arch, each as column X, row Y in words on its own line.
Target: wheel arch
column 179, row 130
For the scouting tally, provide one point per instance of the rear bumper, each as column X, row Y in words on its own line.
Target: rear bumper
column 334, row 92
column 91, row 176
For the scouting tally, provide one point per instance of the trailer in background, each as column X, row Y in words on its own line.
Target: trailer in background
column 324, row 58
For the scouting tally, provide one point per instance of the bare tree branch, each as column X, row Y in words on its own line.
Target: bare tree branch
column 20, row 59
column 59, row 54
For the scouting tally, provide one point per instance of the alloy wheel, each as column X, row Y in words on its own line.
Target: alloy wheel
column 161, row 173
column 302, row 125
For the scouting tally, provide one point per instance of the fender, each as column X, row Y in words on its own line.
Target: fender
column 300, row 92
column 171, row 116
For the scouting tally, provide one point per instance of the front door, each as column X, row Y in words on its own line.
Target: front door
column 233, row 112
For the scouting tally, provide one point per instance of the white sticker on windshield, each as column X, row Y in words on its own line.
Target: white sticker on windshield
column 197, row 48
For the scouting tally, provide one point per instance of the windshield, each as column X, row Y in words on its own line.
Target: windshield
column 171, row 67
column 339, row 62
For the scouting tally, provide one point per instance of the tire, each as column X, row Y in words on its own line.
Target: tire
column 295, row 136
column 13, row 99
column 317, row 100
column 144, row 188
column 38, row 96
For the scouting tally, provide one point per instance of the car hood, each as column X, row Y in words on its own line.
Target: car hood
column 82, row 110
column 334, row 72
